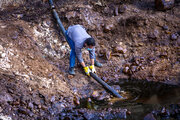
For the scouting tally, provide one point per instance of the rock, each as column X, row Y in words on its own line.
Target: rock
column 76, row 100
column 149, row 116
column 120, row 49
column 4, row 117
column 133, row 68
column 116, row 87
column 178, row 41
column 116, row 11
column 53, row 98
column 122, row 9
column 165, row 114
column 1, row 47
column 20, row 16
column 71, row 14
column 126, row 70
column 22, row 111
column 174, row 36
column 31, row 106
column 164, row 4
column 6, row 98
column 105, row 79
column 165, row 27
column 108, row 55
column 163, row 55
column 95, row 94
column 70, row 76
column 2, row 55
column 55, row 41
column 108, row 27
column 48, row 47
column 154, row 35
column 1, row 109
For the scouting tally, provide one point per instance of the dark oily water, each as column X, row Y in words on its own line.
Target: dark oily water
column 150, row 92
column 141, row 98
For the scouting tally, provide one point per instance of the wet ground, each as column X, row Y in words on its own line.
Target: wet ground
column 137, row 44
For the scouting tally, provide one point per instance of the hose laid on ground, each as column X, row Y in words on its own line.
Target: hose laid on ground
column 105, row 85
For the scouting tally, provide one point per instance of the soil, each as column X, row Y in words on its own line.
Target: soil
column 134, row 40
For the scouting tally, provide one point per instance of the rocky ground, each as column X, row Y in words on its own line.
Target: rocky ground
column 134, row 41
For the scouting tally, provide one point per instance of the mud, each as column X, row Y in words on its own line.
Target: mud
column 135, row 42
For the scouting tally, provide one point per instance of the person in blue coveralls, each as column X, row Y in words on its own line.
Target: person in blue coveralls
column 78, row 38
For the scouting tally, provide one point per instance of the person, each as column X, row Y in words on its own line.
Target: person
column 78, row 38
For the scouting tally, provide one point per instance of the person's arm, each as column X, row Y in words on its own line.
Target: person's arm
column 92, row 61
column 92, row 56
column 83, row 64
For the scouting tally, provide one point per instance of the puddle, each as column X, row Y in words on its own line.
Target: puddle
column 141, row 98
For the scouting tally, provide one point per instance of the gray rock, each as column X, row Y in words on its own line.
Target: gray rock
column 174, row 36
column 6, row 98
column 31, row 106
column 165, row 27
column 53, row 98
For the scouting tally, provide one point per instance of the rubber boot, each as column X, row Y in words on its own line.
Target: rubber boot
column 98, row 64
column 71, row 71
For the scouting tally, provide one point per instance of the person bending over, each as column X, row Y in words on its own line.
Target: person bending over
column 78, row 38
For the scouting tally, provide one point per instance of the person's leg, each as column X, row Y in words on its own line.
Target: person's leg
column 96, row 63
column 72, row 58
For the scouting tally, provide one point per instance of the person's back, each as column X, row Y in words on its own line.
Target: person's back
column 78, row 34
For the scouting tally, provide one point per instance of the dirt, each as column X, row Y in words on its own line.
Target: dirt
column 134, row 41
